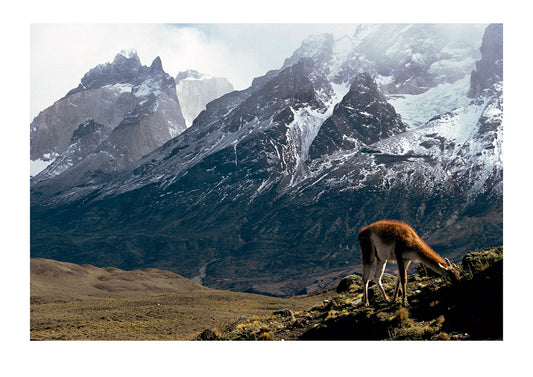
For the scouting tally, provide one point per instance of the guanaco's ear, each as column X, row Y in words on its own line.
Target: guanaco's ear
column 450, row 264
column 441, row 266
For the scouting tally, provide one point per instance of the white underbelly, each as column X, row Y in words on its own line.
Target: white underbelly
column 385, row 251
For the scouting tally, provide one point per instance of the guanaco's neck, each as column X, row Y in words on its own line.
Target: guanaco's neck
column 430, row 258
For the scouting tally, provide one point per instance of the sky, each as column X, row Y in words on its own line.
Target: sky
column 60, row 54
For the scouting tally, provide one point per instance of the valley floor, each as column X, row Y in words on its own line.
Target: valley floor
column 468, row 310
column 72, row 302
column 171, row 316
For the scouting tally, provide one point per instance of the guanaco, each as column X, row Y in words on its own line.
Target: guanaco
column 388, row 240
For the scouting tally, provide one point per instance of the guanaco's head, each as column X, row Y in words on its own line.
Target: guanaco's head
column 450, row 270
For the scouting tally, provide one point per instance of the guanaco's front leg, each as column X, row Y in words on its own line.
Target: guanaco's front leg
column 397, row 288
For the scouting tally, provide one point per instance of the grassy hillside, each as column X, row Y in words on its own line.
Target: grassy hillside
column 69, row 301
column 58, row 281
column 470, row 309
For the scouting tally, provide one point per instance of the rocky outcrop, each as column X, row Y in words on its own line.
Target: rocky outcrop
column 362, row 117
column 51, row 131
column 489, row 70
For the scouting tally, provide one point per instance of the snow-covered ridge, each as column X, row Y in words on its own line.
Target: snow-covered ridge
column 121, row 88
column 148, row 87
column 465, row 144
column 203, row 77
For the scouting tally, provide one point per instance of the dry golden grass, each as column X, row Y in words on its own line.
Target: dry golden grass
column 72, row 302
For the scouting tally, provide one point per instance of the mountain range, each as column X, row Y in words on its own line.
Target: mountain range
column 266, row 190
column 119, row 112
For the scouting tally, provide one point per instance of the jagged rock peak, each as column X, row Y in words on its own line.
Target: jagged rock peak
column 156, row 66
column 294, row 84
column 125, row 58
column 362, row 117
column 123, row 61
column 363, row 83
column 126, row 68
column 316, row 47
column 489, row 69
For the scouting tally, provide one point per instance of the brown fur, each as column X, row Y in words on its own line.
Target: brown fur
column 396, row 241
column 405, row 236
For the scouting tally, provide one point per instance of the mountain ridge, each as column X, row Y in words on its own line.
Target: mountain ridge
column 136, row 105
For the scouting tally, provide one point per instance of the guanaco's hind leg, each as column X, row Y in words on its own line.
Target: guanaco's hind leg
column 367, row 268
column 380, row 269
column 368, row 255
column 402, row 270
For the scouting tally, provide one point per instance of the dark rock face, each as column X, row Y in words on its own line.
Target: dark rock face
column 489, row 70
column 291, row 87
column 363, row 116
column 86, row 129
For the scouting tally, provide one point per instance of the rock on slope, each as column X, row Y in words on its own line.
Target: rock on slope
column 471, row 309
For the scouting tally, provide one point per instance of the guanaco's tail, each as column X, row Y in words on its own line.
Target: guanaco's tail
column 365, row 244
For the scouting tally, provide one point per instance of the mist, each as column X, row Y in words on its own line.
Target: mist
column 60, row 54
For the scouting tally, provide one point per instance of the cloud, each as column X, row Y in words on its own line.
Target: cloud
column 60, row 54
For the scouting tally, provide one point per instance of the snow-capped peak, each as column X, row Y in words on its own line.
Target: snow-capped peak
column 191, row 74
column 128, row 53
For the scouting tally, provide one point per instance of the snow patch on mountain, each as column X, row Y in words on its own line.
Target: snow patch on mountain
column 128, row 53
column 464, row 144
column 119, row 88
column 147, row 87
column 305, row 125
column 38, row 165
column 418, row 109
